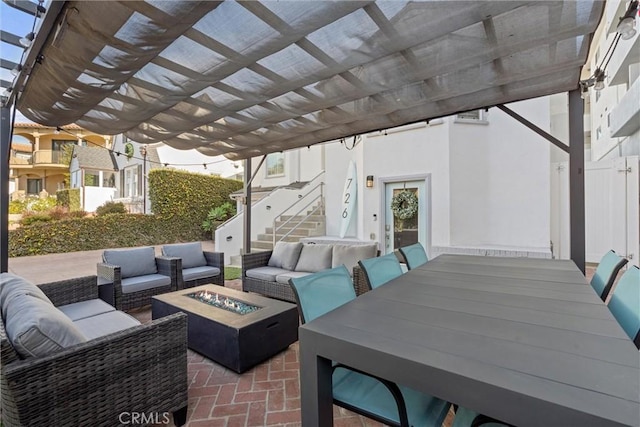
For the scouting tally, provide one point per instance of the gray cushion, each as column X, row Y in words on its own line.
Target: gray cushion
column 142, row 283
column 200, row 272
column 191, row 254
column 284, row 278
column 132, row 262
column 37, row 328
column 266, row 273
column 105, row 323
column 88, row 308
column 314, row 258
column 12, row 285
column 349, row 255
column 285, row 255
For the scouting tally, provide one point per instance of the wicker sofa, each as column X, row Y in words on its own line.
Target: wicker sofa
column 120, row 367
column 268, row 272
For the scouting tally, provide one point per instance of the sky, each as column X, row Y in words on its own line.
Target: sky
column 20, row 23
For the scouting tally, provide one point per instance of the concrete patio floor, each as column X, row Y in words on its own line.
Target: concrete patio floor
column 267, row 395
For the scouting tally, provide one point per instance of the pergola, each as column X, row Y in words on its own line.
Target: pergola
column 247, row 78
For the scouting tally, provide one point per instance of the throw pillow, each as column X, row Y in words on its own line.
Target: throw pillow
column 37, row 328
column 12, row 285
column 285, row 255
column 349, row 255
column 314, row 258
column 132, row 262
column 191, row 254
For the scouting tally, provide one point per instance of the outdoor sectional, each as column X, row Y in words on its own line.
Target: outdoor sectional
column 268, row 272
column 70, row 359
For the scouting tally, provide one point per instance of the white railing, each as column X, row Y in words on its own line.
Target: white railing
column 310, row 201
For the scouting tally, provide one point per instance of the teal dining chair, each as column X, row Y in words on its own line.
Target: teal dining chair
column 606, row 273
column 379, row 270
column 414, row 255
column 625, row 303
column 364, row 394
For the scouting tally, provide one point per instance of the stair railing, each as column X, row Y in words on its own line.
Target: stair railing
column 310, row 201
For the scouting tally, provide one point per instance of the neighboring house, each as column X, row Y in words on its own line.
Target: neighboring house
column 481, row 179
column 93, row 170
column 612, row 142
column 44, row 165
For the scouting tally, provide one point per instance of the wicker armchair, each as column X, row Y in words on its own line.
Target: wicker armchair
column 214, row 259
column 142, row 369
column 110, row 281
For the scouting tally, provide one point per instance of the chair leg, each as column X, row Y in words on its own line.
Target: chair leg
column 180, row 416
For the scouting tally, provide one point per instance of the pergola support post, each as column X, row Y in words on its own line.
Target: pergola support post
column 5, row 148
column 576, row 178
column 246, row 247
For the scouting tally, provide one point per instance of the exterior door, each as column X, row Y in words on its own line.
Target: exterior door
column 402, row 228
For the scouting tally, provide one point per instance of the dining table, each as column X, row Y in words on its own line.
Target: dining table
column 523, row 340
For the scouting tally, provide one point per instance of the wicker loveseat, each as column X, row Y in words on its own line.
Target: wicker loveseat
column 268, row 272
column 118, row 367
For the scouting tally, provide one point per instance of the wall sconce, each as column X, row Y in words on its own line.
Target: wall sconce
column 369, row 181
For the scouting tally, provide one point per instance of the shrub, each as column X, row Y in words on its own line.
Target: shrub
column 32, row 204
column 17, row 206
column 111, row 208
column 69, row 198
column 217, row 215
column 58, row 212
column 30, row 218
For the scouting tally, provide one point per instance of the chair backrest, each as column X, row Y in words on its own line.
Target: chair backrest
column 380, row 270
column 606, row 273
column 414, row 255
column 319, row 293
column 625, row 303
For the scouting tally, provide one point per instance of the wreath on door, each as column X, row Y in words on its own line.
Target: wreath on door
column 404, row 205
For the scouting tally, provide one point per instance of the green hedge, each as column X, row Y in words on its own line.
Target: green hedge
column 109, row 231
column 186, row 195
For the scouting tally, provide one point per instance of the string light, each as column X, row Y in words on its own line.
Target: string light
column 118, row 153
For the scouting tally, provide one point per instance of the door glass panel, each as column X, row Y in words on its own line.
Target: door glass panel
column 405, row 231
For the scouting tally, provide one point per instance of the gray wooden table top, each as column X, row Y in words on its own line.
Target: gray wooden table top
column 524, row 340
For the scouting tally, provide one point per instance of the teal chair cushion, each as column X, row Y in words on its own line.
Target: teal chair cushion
column 606, row 273
column 415, row 255
column 369, row 394
column 465, row 418
column 625, row 303
column 380, row 270
column 322, row 292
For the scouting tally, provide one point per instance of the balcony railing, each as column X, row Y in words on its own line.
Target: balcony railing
column 40, row 157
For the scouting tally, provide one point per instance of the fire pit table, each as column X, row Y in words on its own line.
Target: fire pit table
column 235, row 329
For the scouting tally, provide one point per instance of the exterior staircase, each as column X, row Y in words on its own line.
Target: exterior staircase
column 296, row 228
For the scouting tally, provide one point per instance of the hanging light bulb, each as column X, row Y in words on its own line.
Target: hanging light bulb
column 599, row 76
column 626, row 26
column 27, row 40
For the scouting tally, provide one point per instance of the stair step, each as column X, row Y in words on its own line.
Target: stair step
column 298, row 218
column 261, row 245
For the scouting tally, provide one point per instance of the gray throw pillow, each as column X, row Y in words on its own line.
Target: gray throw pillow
column 132, row 262
column 349, row 255
column 191, row 254
column 285, row 255
column 12, row 285
column 37, row 328
column 314, row 258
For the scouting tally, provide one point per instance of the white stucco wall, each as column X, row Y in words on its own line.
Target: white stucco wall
column 500, row 180
column 300, row 165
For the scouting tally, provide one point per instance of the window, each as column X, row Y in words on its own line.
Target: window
column 59, row 144
column 131, row 181
column 108, row 179
column 474, row 116
column 34, row 186
column 91, row 178
column 275, row 164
